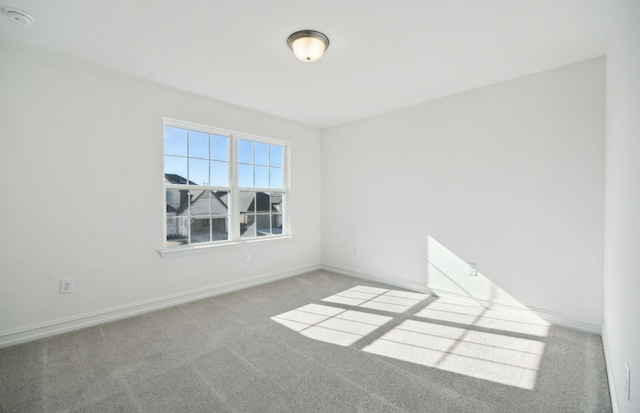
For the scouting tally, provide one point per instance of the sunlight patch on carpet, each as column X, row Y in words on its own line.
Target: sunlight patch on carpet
column 458, row 336
column 513, row 361
column 465, row 312
column 331, row 324
column 393, row 301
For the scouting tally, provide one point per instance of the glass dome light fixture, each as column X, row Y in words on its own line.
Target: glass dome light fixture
column 308, row 45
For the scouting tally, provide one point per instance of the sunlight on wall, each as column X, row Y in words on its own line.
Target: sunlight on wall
column 452, row 335
column 447, row 273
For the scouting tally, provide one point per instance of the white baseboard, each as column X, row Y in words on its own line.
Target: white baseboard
column 397, row 282
column 548, row 315
column 609, row 363
column 33, row 332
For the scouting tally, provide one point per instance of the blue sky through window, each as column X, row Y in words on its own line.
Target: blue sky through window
column 198, row 145
column 260, row 165
column 199, row 157
column 175, row 141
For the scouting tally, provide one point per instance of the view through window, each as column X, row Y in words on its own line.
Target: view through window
column 221, row 186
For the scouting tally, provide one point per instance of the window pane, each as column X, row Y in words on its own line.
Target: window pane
column 245, row 151
column 276, row 201
column 220, row 203
column 200, row 204
column 276, row 178
column 275, row 158
column 175, row 141
column 198, row 172
column 262, row 202
column 263, row 225
column 198, row 145
column 262, row 177
column 220, row 228
column 177, row 230
column 219, row 174
column 261, row 153
column 247, row 226
column 200, row 230
column 177, row 202
column 219, row 147
column 276, row 224
column 175, row 169
column 247, row 202
column 245, row 176
column 177, row 208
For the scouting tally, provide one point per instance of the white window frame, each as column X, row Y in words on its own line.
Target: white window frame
column 233, row 188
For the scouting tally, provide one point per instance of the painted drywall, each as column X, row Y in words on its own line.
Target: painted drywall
column 510, row 177
column 622, row 205
column 81, row 158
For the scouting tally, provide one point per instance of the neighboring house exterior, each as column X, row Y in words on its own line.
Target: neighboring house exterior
column 205, row 213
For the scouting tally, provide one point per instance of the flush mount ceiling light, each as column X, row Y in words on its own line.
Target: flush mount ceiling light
column 19, row 16
column 308, row 45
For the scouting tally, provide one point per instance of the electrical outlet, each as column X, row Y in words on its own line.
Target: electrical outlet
column 246, row 257
column 66, row 286
column 473, row 271
column 627, row 381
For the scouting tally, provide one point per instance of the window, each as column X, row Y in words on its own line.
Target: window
column 221, row 186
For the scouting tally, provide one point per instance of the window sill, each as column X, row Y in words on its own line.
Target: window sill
column 195, row 249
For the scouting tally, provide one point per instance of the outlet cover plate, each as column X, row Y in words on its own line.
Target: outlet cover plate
column 66, row 286
column 473, row 271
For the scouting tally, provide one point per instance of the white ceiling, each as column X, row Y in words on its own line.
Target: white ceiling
column 384, row 55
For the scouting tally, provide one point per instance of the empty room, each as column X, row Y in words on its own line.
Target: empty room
column 338, row 206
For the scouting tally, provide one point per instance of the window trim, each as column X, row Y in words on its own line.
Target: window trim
column 233, row 188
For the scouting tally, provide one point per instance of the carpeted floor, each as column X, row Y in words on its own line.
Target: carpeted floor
column 319, row 342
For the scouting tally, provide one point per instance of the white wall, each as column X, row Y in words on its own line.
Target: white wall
column 81, row 176
column 509, row 176
column 622, row 217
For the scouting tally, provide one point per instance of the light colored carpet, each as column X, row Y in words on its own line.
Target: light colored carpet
column 319, row 342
